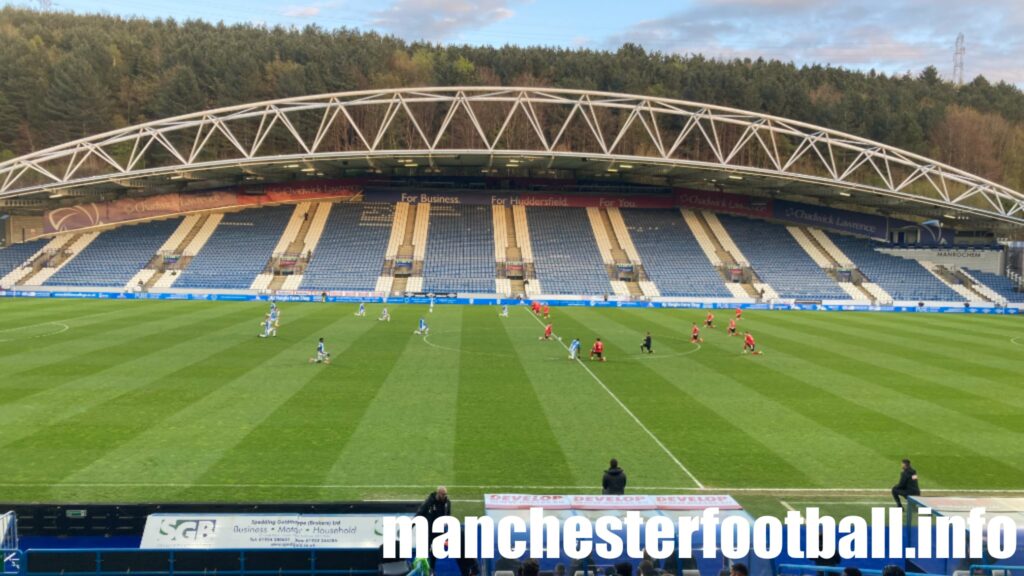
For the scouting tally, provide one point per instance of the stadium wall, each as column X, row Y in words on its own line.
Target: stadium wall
column 990, row 261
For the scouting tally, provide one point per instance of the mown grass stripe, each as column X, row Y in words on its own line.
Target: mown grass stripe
column 935, row 435
column 124, row 344
column 303, row 436
column 487, row 442
column 407, row 431
column 677, row 417
column 73, row 442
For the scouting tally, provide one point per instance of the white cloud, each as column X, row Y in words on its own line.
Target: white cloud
column 894, row 36
column 301, row 11
column 439, row 20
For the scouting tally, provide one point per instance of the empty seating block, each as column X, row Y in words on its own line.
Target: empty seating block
column 999, row 284
column 13, row 256
column 903, row 279
column 115, row 256
column 350, row 253
column 460, row 250
column 566, row 257
column 238, row 250
column 671, row 255
column 780, row 261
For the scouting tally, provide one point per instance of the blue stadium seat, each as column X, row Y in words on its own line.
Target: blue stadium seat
column 115, row 255
column 460, row 250
column 672, row 258
column 565, row 253
column 350, row 253
column 13, row 256
column 238, row 250
column 780, row 260
column 903, row 279
column 999, row 284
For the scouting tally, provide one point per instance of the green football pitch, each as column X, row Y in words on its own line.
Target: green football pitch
column 180, row 401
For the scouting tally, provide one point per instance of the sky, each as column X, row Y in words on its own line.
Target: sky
column 894, row 36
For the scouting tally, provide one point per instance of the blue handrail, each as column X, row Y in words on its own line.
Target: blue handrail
column 304, row 560
column 990, row 567
column 804, row 568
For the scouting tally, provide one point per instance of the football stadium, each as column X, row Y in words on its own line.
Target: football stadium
column 322, row 308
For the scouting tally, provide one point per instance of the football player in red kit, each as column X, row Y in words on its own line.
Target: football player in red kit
column 710, row 320
column 547, row 333
column 732, row 327
column 749, row 345
column 597, row 351
column 695, row 334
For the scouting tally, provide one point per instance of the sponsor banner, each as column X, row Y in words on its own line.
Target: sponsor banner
column 166, row 205
column 525, row 502
column 723, row 202
column 496, row 301
column 683, row 502
column 610, row 502
column 520, row 199
column 831, row 219
column 256, row 531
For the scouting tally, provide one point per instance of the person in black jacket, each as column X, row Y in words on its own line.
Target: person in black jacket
column 614, row 481
column 435, row 506
column 908, row 483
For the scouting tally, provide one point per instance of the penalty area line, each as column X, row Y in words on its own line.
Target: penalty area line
column 628, row 411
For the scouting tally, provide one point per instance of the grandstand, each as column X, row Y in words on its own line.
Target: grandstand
column 12, row 257
column 902, row 278
column 350, row 253
column 780, row 261
column 115, row 256
column 1001, row 285
column 566, row 256
column 672, row 257
column 237, row 251
column 459, row 254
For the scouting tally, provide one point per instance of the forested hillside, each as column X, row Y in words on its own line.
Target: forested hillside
column 64, row 76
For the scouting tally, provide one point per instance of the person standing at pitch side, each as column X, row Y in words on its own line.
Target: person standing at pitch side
column 435, row 506
column 614, row 480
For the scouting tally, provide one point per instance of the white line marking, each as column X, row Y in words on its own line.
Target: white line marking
column 64, row 328
column 589, row 487
column 1014, row 340
column 852, row 502
column 787, row 506
column 628, row 411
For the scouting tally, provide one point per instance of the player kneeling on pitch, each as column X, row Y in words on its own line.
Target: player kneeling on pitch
column 574, row 348
column 749, row 345
column 384, row 316
column 645, row 344
column 547, row 333
column 322, row 355
column 362, row 310
column 423, row 330
column 598, row 351
column 269, row 329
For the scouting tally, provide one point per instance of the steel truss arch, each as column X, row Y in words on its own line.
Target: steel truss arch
column 505, row 122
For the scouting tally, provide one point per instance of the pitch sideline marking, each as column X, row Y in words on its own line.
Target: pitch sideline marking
column 719, row 489
column 64, row 328
column 628, row 411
